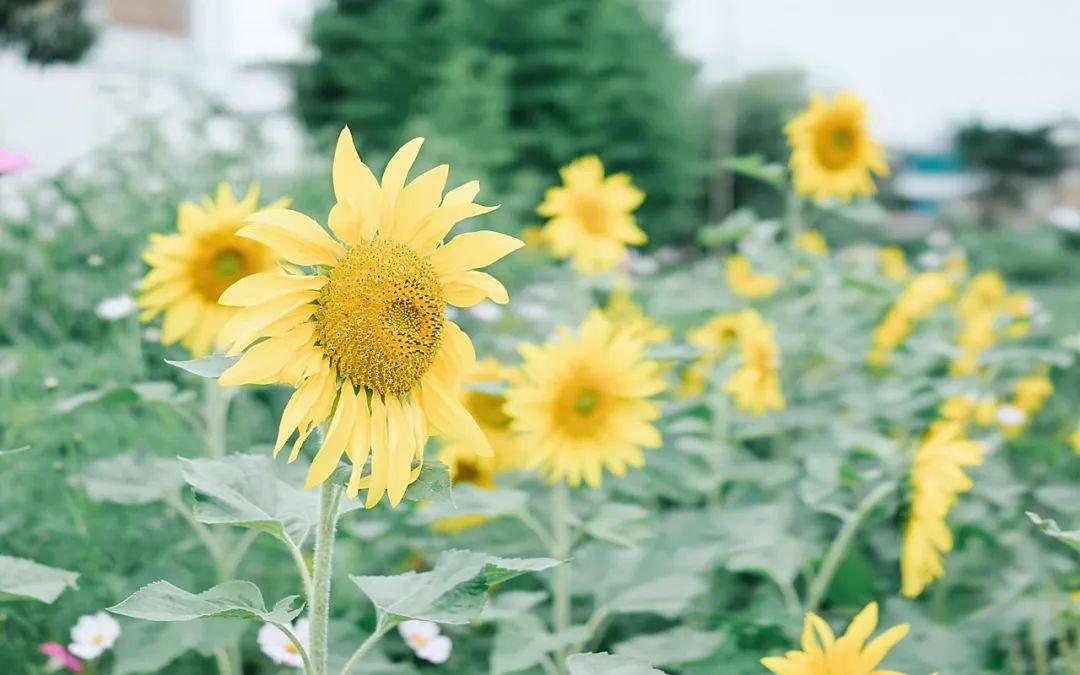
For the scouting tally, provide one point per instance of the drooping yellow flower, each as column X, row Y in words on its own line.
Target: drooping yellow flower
column 714, row 338
column 893, row 265
column 823, row 653
column 360, row 330
column 745, row 282
column 486, row 407
column 832, row 153
column 591, row 217
column 755, row 386
column 191, row 268
column 812, row 242
column 937, row 477
column 624, row 312
column 921, row 295
column 584, row 403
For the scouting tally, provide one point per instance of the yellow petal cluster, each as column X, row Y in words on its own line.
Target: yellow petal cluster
column 937, row 477
column 356, row 322
column 583, row 404
column 1074, row 439
column 745, row 282
column 978, row 309
column 591, row 216
column 1029, row 396
column 822, row 653
column 755, row 386
column 191, row 268
column 624, row 312
column 921, row 295
column 832, row 152
column 714, row 338
column 893, row 265
column 812, row 242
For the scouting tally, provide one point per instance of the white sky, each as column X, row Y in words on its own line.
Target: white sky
column 922, row 65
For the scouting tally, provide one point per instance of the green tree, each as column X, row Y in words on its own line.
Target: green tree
column 53, row 31
column 517, row 89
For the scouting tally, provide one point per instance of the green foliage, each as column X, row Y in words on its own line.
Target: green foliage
column 161, row 601
column 27, row 580
column 47, row 31
column 512, row 90
column 607, row 664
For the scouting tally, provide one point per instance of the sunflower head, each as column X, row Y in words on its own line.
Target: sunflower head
column 745, row 282
column 590, row 216
column 191, row 268
column 358, row 325
column 583, row 404
column 832, row 153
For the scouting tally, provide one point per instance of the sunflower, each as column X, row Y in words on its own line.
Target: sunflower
column 937, row 477
column 745, row 282
column 622, row 310
column 812, row 242
column 893, row 264
column 755, row 386
column 360, row 331
column 823, row 653
column 189, row 270
column 832, row 154
column 590, row 216
column 486, row 407
column 584, row 402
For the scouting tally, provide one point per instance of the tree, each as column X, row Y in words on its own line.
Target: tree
column 517, row 88
column 47, row 31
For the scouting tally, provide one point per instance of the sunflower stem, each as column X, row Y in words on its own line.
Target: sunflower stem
column 319, row 600
column 839, row 546
column 383, row 626
column 794, row 217
column 560, row 528
column 215, row 414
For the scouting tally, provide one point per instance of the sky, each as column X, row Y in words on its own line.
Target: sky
column 923, row 66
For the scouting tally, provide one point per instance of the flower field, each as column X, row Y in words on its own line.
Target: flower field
column 352, row 420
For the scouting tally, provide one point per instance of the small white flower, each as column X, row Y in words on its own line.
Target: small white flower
column 424, row 639
column 1065, row 218
column 279, row 648
column 1011, row 416
column 931, row 260
column 116, row 307
column 50, row 382
column 92, row 635
column 95, row 260
column 939, row 238
column 488, row 312
column 152, row 334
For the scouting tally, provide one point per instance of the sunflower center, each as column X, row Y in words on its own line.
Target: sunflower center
column 590, row 212
column 487, row 409
column 836, row 146
column 581, row 408
column 380, row 316
column 586, row 402
column 222, row 261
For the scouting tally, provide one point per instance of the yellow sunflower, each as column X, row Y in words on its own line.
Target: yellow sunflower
column 812, row 242
column 584, row 403
column 937, row 477
column 745, row 282
column 832, row 153
column 823, row 653
column 360, row 331
column 190, row 269
column 893, row 264
column 755, row 386
column 591, row 217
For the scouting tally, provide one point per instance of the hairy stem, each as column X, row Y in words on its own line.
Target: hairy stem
column 319, row 600
column 296, row 643
column 381, row 629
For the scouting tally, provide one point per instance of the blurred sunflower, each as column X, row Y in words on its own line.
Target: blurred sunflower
column 755, row 386
column 623, row 311
column 584, row 403
column 832, row 152
column 823, row 653
column 893, row 264
column 591, row 217
column 812, row 242
column 1074, row 440
column 361, row 333
column 937, row 477
column 713, row 339
column 190, row 269
column 745, row 282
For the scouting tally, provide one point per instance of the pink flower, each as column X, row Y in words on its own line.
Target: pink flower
column 60, row 657
column 11, row 161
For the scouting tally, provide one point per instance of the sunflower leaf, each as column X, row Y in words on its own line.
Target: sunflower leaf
column 454, row 592
column 161, row 601
column 469, row 500
column 131, row 479
column 1051, row 528
column 22, row 579
column 608, row 664
column 145, row 647
column 678, row 645
column 432, row 485
column 208, row 366
column 522, row 643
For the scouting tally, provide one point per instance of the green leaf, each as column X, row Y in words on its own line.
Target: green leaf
column 454, row 592
column 22, row 579
column 14, row 451
column 433, row 483
column 208, row 366
column 512, row 604
column 1051, row 528
column 678, row 645
column 131, row 479
column 470, row 499
column 754, row 166
column 148, row 647
column 666, row 595
column 245, row 490
column 620, row 523
column 523, row 642
column 161, row 601
column 142, row 392
column 608, row 664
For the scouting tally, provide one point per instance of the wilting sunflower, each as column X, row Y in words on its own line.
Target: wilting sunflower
column 361, row 331
column 832, row 153
column 937, row 477
column 590, row 216
column 584, row 403
column 189, row 270
column 823, row 653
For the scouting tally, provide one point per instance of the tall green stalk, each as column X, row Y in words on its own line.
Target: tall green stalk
column 560, row 528
column 322, row 568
